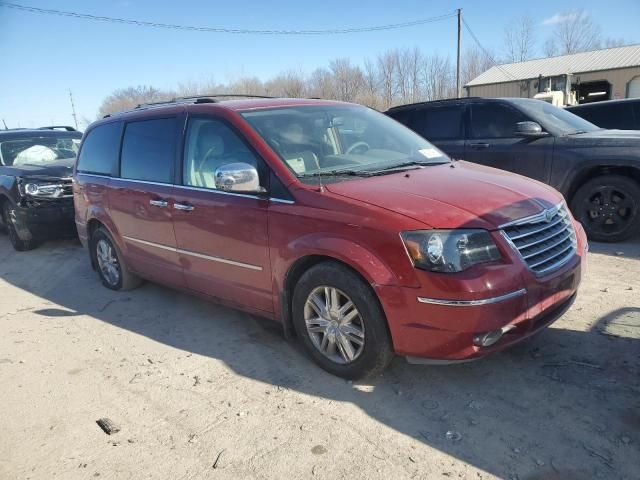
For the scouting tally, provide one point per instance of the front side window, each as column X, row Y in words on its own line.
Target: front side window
column 149, row 150
column 37, row 150
column 209, row 145
column 100, row 149
column 334, row 140
column 493, row 120
column 557, row 120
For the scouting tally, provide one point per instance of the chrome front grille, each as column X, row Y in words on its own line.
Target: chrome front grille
column 545, row 241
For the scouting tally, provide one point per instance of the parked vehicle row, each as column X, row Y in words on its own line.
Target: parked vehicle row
column 597, row 170
column 36, row 197
column 358, row 235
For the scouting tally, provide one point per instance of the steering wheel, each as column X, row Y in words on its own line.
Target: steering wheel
column 358, row 145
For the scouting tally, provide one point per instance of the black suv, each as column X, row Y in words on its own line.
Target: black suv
column 621, row 114
column 36, row 197
column 597, row 170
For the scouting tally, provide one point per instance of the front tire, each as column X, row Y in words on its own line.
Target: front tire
column 19, row 235
column 608, row 208
column 109, row 262
column 340, row 322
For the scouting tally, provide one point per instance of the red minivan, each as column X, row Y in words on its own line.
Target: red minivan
column 355, row 233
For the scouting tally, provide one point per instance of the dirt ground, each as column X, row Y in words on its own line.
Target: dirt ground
column 202, row 391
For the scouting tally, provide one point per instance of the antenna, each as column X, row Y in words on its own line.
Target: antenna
column 5, row 124
column 73, row 109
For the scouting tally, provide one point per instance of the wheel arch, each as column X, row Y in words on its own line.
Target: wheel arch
column 295, row 272
column 600, row 170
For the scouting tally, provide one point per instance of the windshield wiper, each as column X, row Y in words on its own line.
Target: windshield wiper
column 399, row 167
column 336, row 173
column 577, row 132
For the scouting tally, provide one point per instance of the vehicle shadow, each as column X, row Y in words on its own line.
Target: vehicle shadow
column 627, row 249
column 565, row 402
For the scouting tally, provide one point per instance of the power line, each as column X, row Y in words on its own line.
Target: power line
column 143, row 23
column 486, row 52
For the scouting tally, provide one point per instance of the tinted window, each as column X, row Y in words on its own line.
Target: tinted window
column 609, row 116
column 100, row 148
column 439, row 123
column 148, row 150
column 211, row 144
column 494, row 121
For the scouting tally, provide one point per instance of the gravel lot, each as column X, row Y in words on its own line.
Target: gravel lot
column 190, row 382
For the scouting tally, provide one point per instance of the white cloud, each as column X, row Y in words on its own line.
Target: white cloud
column 561, row 18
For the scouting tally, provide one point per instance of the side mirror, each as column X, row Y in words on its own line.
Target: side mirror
column 238, row 177
column 530, row 130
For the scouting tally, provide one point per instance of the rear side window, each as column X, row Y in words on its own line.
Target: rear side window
column 149, row 150
column 493, row 120
column 609, row 116
column 441, row 123
column 99, row 152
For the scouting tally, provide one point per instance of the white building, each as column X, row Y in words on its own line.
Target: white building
column 585, row 77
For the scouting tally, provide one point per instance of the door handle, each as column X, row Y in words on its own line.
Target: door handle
column 159, row 203
column 479, row 146
column 183, row 206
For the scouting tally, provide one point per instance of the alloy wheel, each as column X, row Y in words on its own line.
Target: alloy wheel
column 334, row 324
column 609, row 209
column 107, row 262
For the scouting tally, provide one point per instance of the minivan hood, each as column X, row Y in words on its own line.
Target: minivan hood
column 453, row 195
column 62, row 168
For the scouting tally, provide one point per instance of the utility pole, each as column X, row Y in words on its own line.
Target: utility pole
column 458, row 86
column 73, row 109
column 5, row 124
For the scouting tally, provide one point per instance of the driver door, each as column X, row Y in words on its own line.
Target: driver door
column 222, row 237
column 491, row 141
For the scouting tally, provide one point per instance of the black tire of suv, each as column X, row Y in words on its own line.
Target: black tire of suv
column 18, row 241
column 127, row 280
column 377, row 351
column 580, row 206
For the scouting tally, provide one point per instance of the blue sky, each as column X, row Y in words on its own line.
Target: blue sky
column 44, row 56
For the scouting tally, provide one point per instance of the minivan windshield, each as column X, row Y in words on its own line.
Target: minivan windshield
column 335, row 141
column 557, row 120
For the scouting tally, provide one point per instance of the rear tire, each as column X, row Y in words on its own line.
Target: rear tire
column 608, row 207
column 347, row 334
column 22, row 241
column 109, row 262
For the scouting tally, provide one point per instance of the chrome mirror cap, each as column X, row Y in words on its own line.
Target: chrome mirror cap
column 238, row 177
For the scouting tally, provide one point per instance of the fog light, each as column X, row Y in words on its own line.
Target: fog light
column 489, row 338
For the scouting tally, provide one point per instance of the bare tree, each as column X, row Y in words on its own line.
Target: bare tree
column 574, row 32
column 348, row 79
column 321, row 84
column 128, row 98
column 519, row 39
column 386, row 63
column 475, row 62
column 290, row 84
column 438, row 78
column 408, row 74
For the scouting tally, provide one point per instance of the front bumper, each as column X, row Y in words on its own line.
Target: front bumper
column 433, row 325
column 46, row 218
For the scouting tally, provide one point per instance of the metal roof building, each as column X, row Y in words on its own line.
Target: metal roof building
column 611, row 73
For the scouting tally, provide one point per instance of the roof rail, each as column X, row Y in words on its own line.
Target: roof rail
column 205, row 98
column 54, row 127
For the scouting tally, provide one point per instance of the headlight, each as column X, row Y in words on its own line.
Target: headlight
column 44, row 190
column 449, row 250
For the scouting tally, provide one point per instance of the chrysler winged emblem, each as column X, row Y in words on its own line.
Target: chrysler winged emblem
column 548, row 214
